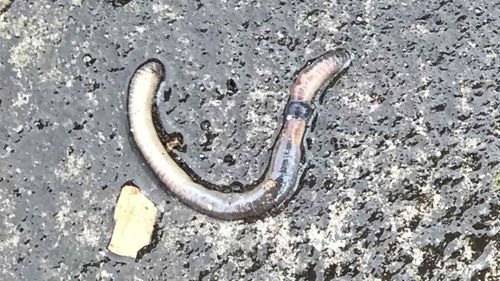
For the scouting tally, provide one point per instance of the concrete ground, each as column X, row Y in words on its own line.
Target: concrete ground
column 400, row 157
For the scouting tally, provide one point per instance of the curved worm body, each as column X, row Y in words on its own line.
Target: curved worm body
column 281, row 177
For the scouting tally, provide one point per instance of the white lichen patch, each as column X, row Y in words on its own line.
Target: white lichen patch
column 330, row 240
column 328, row 20
column 274, row 233
column 9, row 234
column 76, row 2
column 35, row 36
column 368, row 10
column 90, row 236
column 62, row 216
column 165, row 11
column 105, row 275
column 70, row 168
column 88, row 233
column 21, row 100
column 464, row 105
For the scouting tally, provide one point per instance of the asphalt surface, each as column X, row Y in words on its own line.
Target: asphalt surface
column 400, row 157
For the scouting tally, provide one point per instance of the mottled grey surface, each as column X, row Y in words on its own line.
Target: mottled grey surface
column 401, row 154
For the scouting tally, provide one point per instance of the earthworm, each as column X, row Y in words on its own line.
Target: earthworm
column 281, row 177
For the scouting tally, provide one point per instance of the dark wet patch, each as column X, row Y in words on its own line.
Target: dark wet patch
column 5, row 5
column 119, row 3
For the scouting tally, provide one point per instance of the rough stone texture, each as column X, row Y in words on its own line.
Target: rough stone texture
column 401, row 153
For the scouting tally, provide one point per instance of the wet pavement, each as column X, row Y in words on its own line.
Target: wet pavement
column 401, row 153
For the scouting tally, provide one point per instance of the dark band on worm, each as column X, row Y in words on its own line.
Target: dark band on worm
column 283, row 171
column 298, row 110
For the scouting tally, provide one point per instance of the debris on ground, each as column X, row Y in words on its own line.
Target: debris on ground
column 134, row 222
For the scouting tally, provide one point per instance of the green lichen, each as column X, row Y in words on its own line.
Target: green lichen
column 496, row 182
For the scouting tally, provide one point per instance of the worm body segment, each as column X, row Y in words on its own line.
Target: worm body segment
column 283, row 171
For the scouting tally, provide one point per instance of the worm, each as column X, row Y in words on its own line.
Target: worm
column 281, row 177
